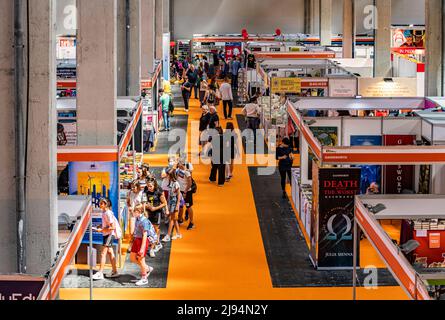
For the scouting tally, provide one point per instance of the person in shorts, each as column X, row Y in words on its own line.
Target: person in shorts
column 156, row 204
column 141, row 244
column 173, row 205
column 184, row 177
column 110, row 233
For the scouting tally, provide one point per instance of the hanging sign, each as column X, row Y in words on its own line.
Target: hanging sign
column 286, row 85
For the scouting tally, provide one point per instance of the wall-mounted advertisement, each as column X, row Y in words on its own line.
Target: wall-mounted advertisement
column 66, row 48
column 286, row 85
column 403, row 38
column 67, row 133
column 342, row 88
column 387, row 87
column 98, row 180
column 233, row 49
column 20, row 287
column 371, row 180
column 337, row 190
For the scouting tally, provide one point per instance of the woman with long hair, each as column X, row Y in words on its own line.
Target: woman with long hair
column 232, row 140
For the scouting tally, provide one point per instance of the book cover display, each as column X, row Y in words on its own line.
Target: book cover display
column 399, row 178
column 97, row 179
column 328, row 137
column 337, row 188
column 371, row 180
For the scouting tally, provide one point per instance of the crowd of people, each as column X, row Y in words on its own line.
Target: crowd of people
column 149, row 205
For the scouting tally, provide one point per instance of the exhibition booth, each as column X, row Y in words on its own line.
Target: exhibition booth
column 343, row 156
column 417, row 258
column 103, row 172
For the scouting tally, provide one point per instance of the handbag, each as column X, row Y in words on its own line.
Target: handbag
column 171, row 106
column 194, row 187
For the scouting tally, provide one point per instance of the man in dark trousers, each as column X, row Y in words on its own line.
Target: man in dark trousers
column 186, row 89
column 192, row 75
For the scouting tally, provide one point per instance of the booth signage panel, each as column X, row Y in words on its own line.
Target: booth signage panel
column 146, row 84
column 286, row 85
column 319, row 84
column 19, row 287
column 399, row 178
column 342, row 88
column 337, row 191
column 379, row 88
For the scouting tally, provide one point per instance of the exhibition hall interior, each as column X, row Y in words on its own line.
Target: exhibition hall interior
column 222, row 150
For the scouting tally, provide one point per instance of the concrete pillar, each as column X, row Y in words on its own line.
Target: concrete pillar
column 159, row 28
column 134, row 49
column 96, row 72
column 326, row 22
column 41, row 193
column 121, row 47
column 434, row 84
column 8, row 227
column 148, row 38
column 382, row 56
column 166, row 15
column 41, row 183
column 348, row 28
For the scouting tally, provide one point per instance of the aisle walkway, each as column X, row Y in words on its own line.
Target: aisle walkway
column 224, row 257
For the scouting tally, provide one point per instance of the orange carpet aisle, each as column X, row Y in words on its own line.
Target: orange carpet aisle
column 224, row 257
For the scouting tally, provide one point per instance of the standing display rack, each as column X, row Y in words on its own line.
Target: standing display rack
column 418, row 283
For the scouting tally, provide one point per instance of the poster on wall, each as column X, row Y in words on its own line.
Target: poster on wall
column 399, row 178
column 342, row 88
column 233, row 49
column 371, row 180
column 67, row 133
column 98, row 180
column 328, row 137
column 337, row 190
column 402, row 38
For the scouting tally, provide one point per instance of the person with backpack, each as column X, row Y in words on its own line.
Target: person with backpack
column 144, row 235
column 184, row 177
column 165, row 101
column 111, row 231
column 174, row 197
column 210, row 97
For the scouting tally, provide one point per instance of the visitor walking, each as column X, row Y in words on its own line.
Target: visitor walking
column 285, row 157
column 142, row 240
column 111, row 231
column 192, row 76
column 252, row 112
column 236, row 65
column 231, row 138
column 217, row 155
column 165, row 105
column 227, row 98
column 173, row 205
column 184, row 177
column 186, row 89
column 214, row 118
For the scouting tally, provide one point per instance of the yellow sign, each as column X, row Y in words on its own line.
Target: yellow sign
column 286, row 85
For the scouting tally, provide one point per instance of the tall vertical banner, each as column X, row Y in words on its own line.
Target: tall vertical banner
column 399, row 178
column 337, row 190
column 166, row 57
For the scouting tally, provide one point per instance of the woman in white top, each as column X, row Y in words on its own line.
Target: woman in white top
column 173, row 204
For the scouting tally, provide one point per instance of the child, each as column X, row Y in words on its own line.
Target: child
column 143, row 236
column 134, row 199
column 111, row 231
column 173, row 205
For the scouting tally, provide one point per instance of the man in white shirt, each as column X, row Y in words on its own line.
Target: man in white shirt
column 227, row 98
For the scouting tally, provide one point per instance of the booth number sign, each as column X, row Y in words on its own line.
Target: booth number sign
column 286, row 85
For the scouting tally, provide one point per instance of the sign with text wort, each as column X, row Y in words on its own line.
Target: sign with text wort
column 286, row 85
